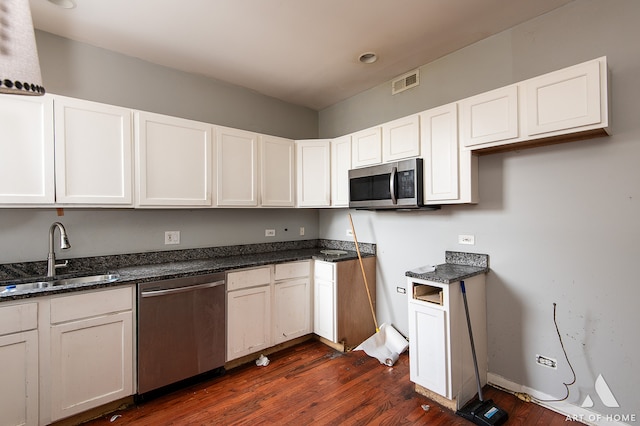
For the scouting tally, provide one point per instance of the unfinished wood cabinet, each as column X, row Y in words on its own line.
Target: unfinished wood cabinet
column 341, row 308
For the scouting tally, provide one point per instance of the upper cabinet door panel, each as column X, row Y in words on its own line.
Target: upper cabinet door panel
column 366, row 147
column 340, row 165
column 26, row 150
column 94, row 151
column 490, row 117
column 401, row 138
column 174, row 159
column 439, row 138
column 313, row 158
column 237, row 167
column 277, row 171
column 565, row 99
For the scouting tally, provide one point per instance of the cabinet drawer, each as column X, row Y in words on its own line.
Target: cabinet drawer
column 17, row 318
column 86, row 305
column 248, row 278
column 324, row 270
column 284, row 271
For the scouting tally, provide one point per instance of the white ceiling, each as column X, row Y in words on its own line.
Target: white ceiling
column 301, row 51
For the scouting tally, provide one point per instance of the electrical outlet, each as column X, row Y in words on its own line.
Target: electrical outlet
column 302, row 230
column 172, row 237
column 349, row 232
column 467, row 239
column 545, row 361
column 401, row 290
column 269, row 232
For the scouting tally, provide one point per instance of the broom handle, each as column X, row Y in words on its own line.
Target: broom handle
column 364, row 276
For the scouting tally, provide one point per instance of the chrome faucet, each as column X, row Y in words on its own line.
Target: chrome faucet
column 64, row 244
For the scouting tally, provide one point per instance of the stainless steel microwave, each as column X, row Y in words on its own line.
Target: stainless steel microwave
column 396, row 185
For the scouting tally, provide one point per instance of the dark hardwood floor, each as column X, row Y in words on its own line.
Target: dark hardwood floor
column 312, row 383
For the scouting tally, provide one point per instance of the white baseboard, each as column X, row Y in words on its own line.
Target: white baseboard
column 571, row 411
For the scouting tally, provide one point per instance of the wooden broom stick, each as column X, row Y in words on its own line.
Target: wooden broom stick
column 364, row 276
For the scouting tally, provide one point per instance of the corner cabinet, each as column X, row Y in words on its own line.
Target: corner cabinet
column 277, row 172
column 26, row 150
column 19, row 356
column 93, row 153
column 440, row 361
column 237, row 167
column 313, row 164
column 174, row 161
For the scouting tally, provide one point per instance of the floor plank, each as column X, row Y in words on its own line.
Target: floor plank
column 312, row 383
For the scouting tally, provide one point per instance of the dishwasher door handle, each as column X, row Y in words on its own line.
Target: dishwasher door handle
column 154, row 293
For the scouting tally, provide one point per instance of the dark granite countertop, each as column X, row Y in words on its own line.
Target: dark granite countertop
column 458, row 266
column 139, row 268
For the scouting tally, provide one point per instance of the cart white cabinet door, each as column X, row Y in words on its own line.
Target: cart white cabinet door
column 292, row 309
column 248, row 321
column 237, row 167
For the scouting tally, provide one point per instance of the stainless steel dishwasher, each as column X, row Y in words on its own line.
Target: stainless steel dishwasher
column 181, row 329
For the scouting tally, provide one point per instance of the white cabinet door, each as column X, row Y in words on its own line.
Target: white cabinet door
column 92, row 363
column 428, row 349
column 93, row 153
column 174, row 161
column 566, row 99
column 313, row 163
column 439, row 139
column 248, row 321
column 19, row 384
column 489, row 117
column 366, row 147
column 324, row 309
column 237, row 167
column 291, row 309
column 26, row 150
column 401, row 138
column 340, row 166
column 277, row 167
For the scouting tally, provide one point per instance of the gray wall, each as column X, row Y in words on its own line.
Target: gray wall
column 82, row 71
column 560, row 223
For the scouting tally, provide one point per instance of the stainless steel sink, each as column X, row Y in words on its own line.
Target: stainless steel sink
column 103, row 278
column 87, row 280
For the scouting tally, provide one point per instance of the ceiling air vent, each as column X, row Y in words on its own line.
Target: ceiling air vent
column 406, row 81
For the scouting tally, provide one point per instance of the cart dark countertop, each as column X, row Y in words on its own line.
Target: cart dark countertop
column 458, row 266
column 139, row 268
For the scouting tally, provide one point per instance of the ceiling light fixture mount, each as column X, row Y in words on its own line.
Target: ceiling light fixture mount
column 368, row 58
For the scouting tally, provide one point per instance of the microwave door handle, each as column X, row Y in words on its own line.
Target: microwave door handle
column 392, row 185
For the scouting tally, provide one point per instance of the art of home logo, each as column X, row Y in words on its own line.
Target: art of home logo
column 606, row 396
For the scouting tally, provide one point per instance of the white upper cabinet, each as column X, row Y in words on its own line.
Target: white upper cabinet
column 237, row 167
column 313, row 164
column 277, row 172
column 401, row 138
column 340, row 166
column 439, row 139
column 366, row 147
column 93, row 153
column 489, row 117
column 174, row 161
column 26, row 150
column 567, row 99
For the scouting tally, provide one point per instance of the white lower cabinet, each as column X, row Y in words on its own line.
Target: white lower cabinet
column 267, row 305
column 91, row 350
column 291, row 301
column 341, row 309
column 19, row 358
column 440, row 358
